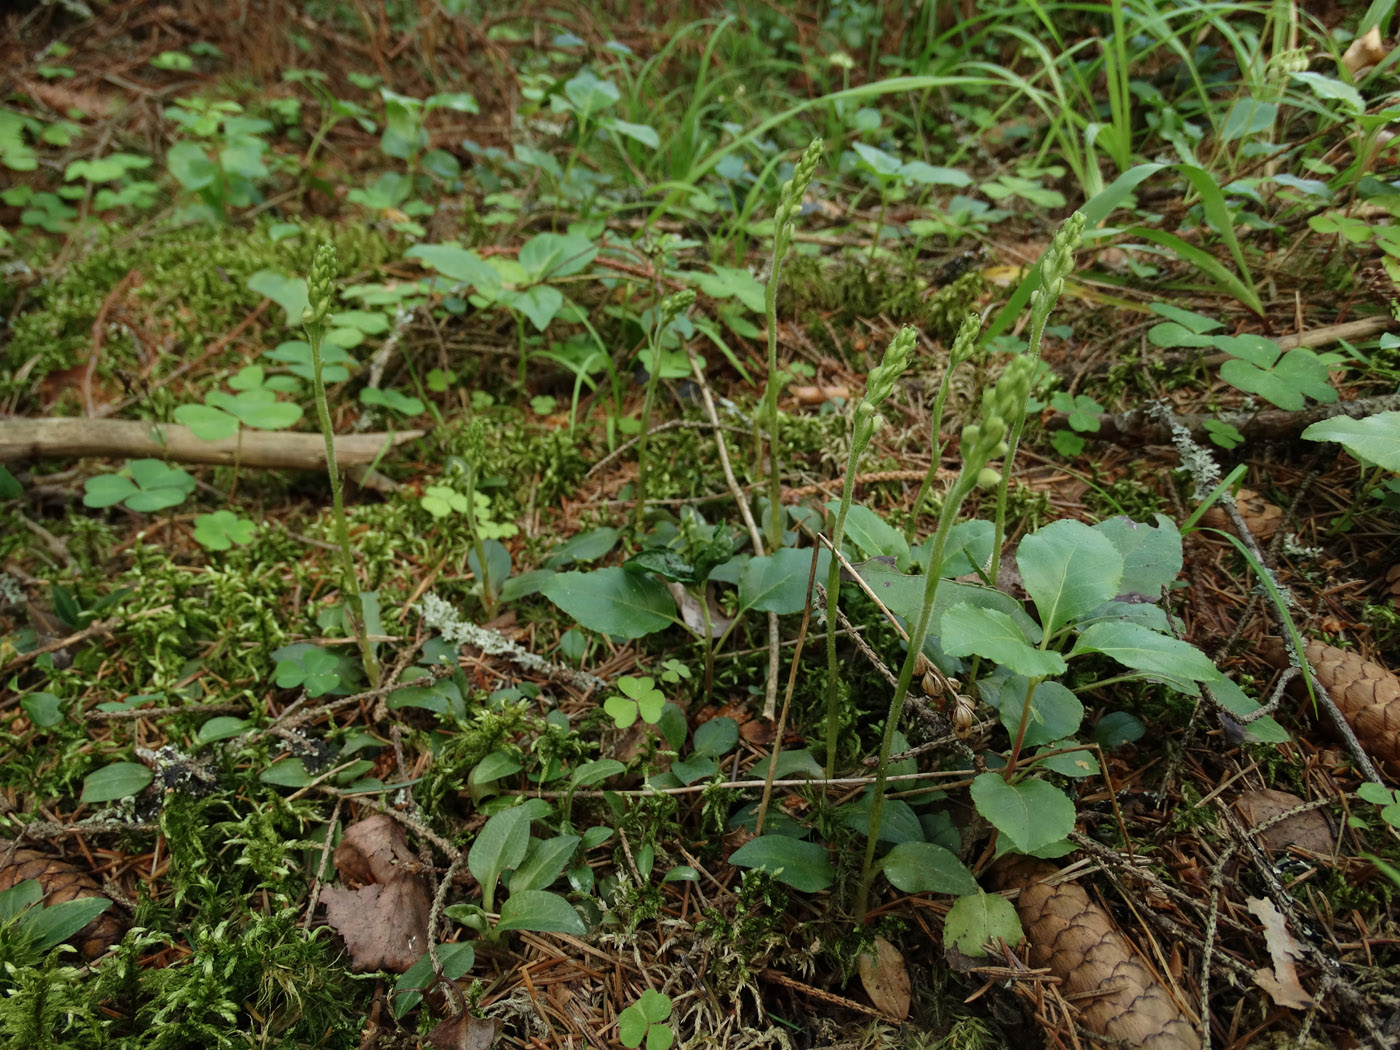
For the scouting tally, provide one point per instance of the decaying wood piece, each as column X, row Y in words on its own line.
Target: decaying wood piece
column 1368, row 696
column 1141, row 427
column 23, row 439
column 1117, row 995
column 63, row 881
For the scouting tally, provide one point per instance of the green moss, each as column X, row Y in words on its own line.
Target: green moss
column 830, row 296
column 191, row 285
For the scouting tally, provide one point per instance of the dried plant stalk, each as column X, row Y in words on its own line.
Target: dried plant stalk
column 1118, row 997
column 63, row 881
column 1367, row 694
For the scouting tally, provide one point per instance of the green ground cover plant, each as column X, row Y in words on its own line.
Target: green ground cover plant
column 765, row 575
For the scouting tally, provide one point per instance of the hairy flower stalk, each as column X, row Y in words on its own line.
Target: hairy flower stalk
column 981, row 442
column 1055, row 266
column 789, row 204
column 320, row 294
column 878, row 387
column 671, row 308
column 964, row 346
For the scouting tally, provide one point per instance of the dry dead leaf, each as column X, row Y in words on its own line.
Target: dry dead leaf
column 819, row 395
column 1309, row 831
column 1081, row 945
column 1261, row 517
column 465, row 1032
column 1365, row 51
column 1281, row 982
column 886, row 980
column 693, row 616
column 385, row 923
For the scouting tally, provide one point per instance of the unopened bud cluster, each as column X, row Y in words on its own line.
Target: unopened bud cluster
column 880, row 383
column 796, row 187
column 675, row 305
column 986, row 440
column 1057, row 264
column 320, row 287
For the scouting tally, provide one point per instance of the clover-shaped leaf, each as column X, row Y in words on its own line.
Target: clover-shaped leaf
column 1261, row 367
column 442, row 500
column 222, row 529
column 296, row 355
column 403, row 404
column 315, row 670
column 642, row 697
column 142, row 485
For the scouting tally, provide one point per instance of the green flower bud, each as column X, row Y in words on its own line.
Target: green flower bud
column 675, row 305
column 1000, row 449
column 790, row 200
column 993, row 430
column 971, row 437
column 987, row 478
column 965, row 342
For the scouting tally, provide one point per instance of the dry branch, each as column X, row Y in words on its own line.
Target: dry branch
column 24, row 439
column 1079, row 942
column 1141, row 426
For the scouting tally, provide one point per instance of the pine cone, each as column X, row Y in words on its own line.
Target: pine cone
column 63, row 881
column 1118, row 996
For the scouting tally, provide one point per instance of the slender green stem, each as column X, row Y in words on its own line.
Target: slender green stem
column 354, row 605
column 951, row 506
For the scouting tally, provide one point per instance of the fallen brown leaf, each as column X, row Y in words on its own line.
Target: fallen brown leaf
column 465, row 1032
column 886, row 980
column 1309, row 831
column 1281, row 982
column 384, row 924
column 1365, row 51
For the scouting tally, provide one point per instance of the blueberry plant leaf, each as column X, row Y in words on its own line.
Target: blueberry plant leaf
column 1151, row 554
column 542, row 912
column 1375, row 439
column 981, row 918
column 1055, row 711
column 499, row 846
column 922, row 867
column 1143, row 649
column 118, row 780
column 777, row 582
